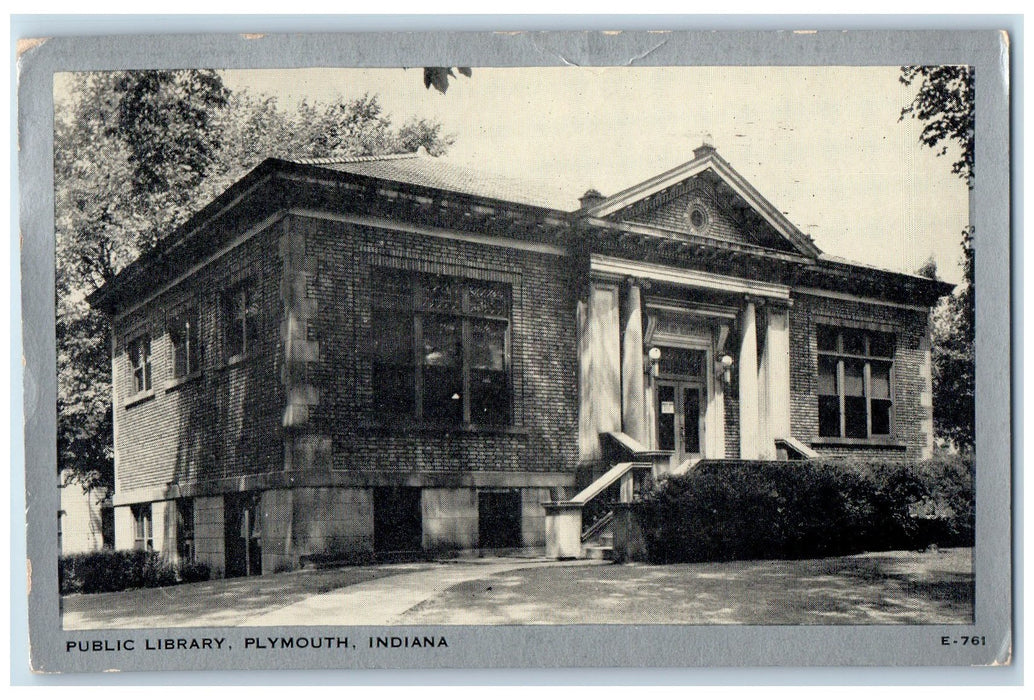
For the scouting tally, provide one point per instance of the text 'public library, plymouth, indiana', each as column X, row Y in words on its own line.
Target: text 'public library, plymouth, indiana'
column 347, row 359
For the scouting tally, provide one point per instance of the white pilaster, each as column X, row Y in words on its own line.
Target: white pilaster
column 778, row 357
column 125, row 527
column 163, row 527
column 766, row 445
column 748, row 381
column 599, row 353
column 633, row 409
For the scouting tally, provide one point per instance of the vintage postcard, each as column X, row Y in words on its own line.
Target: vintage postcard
column 615, row 349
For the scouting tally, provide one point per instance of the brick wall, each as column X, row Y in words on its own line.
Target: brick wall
column 543, row 359
column 732, row 423
column 911, row 418
column 674, row 214
column 224, row 421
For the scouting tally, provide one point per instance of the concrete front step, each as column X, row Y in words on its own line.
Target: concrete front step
column 598, row 551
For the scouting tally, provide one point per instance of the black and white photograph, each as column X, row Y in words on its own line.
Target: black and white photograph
column 373, row 355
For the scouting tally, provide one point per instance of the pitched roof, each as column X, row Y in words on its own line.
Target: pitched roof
column 837, row 260
column 440, row 173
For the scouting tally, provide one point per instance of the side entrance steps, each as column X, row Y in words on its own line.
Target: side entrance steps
column 564, row 534
column 598, row 539
column 602, row 548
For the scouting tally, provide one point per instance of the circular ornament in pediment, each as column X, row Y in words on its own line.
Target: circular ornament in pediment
column 698, row 217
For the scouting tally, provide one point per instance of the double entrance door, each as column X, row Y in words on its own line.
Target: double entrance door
column 680, row 418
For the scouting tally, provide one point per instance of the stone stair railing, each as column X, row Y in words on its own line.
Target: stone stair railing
column 788, row 448
column 634, row 465
column 564, row 518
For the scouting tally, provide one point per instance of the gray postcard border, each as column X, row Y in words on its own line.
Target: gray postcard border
column 564, row 646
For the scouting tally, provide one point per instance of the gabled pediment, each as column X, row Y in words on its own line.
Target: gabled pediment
column 706, row 198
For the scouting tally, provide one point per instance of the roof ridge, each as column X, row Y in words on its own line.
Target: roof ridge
column 331, row 160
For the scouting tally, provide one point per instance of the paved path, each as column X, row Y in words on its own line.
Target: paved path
column 877, row 588
column 383, row 601
column 215, row 603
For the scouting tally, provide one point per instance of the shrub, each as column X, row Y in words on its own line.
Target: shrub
column 726, row 510
column 110, row 570
column 192, row 572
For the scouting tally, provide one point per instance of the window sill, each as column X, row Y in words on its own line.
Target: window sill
column 885, row 443
column 139, row 398
column 402, row 427
column 235, row 360
column 177, row 382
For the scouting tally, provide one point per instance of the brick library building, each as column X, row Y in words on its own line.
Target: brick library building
column 350, row 359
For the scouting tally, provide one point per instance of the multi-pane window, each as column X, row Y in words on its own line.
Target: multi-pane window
column 143, row 533
column 140, row 363
column 440, row 348
column 241, row 319
column 186, row 345
column 854, row 382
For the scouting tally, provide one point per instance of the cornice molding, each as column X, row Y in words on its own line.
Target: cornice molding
column 611, row 266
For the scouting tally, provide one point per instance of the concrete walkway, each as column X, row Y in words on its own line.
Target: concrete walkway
column 876, row 588
column 383, row 601
column 341, row 596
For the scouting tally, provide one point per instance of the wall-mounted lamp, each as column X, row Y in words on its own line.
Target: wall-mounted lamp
column 655, row 360
column 726, row 363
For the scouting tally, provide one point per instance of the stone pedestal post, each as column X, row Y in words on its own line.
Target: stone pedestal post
column 563, row 529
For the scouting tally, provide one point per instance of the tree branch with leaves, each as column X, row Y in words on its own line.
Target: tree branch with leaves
column 135, row 155
column 944, row 103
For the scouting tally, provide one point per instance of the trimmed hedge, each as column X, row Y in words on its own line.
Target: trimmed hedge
column 726, row 510
column 109, row 570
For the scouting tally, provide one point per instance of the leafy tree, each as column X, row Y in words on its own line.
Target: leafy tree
column 928, row 269
column 163, row 118
column 438, row 76
column 944, row 103
column 952, row 334
column 118, row 184
column 135, row 154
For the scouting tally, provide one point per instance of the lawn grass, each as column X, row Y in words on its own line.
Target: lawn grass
column 884, row 588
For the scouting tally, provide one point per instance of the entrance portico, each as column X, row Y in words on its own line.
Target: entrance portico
column 691, row 343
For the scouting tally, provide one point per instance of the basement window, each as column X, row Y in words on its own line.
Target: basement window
column 854, row 382
column 185, row 529
column 440, row 348
column 143, row 531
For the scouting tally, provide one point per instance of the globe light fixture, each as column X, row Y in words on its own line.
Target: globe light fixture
column 726, row 363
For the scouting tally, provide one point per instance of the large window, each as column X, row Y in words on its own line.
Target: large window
column 240, row 319
column 186, row 344
column 440, row 348
column 140, row 363
column 854, row 382
column 143, row 532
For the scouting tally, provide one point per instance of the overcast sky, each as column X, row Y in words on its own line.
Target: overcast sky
column 824, row 145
